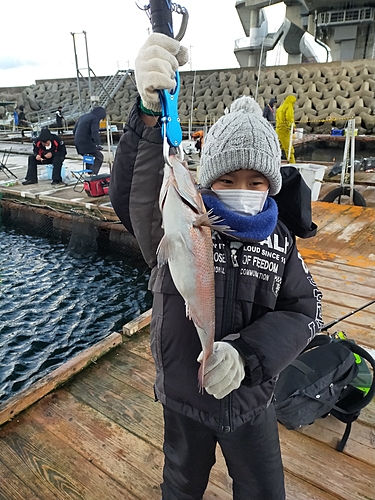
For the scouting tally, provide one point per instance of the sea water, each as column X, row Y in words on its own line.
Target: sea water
column 55, row 303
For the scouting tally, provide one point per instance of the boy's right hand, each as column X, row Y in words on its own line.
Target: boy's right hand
column 155, row 67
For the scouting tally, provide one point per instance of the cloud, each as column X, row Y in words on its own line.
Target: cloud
column 12, row 63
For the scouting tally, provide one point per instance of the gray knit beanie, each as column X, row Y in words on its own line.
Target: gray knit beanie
column 241, row 139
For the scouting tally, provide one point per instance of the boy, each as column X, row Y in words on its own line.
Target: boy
column 267, row 304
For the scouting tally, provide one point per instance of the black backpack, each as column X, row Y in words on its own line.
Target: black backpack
column 329, row 377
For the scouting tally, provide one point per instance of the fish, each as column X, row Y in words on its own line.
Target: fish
column 187, row 248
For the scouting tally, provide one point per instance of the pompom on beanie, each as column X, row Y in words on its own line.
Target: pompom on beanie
column 241, row 139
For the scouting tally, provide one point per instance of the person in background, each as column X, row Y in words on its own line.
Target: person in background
column 198, row 135
column 269, row 111
column 285, row 127
column 22, row 121
column 15, row 119
column 59, row 120
column 48, row 149
column 267, row 304
column 87, row 139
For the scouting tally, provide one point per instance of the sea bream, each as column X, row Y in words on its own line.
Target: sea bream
column 187, row 247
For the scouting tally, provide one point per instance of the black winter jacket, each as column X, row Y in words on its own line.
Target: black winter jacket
column 58, row 147
column 267, row 304
column 86, row 131
column 269, row 114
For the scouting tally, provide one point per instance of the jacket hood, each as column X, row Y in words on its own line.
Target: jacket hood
column 99, row 112
column 273, row 101
column 45, row 135
column 291, row 99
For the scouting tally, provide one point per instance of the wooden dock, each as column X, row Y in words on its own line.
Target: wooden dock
column 72, row 201
column 99, row 436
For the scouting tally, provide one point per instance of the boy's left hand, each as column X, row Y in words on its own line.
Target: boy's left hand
column 224, row 370
column 155, row 66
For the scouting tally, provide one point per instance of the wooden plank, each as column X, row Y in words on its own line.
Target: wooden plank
column 138, row 372
column 140, row 345
column 350, row 287
column 121, row 403
column 131, row 461
column 27, row 397
column 220, row 482
column 329, row 430
column 137, row 324
column 120, row 454
column 135, row 427
column 131, row 369
column 22, row 463
column 342, row 272
column 345, row 234
column 12, row 488
column 297, row 489
column 342, row 476
column 56, row 467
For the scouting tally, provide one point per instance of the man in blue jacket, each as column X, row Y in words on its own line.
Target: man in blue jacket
column 86, row 136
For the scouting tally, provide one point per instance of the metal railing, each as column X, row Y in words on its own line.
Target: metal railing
column 108, row 89
column 346, row 16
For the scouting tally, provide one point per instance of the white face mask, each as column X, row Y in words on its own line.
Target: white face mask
column 242, row 201
column 49, row 146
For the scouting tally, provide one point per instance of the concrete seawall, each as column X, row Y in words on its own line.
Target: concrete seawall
column 327, row 94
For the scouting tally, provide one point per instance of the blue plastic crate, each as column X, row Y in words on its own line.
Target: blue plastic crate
column 337, row 132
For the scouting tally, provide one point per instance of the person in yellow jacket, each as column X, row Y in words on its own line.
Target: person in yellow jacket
column 199, row 136
column 284, row 122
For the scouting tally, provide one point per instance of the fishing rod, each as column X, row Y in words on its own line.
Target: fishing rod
column 335, row 321
column 160, row 15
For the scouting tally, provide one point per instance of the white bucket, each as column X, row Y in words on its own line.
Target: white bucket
column 313, row 175
column 299, row 133
column 47, row 174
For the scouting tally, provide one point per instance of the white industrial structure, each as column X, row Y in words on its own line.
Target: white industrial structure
column 346, row 30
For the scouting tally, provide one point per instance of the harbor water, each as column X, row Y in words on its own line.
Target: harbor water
column 56, row 301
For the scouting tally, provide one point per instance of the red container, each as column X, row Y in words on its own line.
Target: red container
column 97, row 185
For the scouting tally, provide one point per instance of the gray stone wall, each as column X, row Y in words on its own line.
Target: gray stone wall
column 327, row 94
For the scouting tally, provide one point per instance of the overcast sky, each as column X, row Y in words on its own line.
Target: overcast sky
column 37, row 43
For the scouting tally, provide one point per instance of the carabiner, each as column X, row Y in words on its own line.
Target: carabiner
column 171, row 126
column 169, row 117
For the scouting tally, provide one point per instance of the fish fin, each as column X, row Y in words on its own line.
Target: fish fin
column 167, row 180
column 163, row 251
column 185, row 186
column 211, row 221
column 201, row 378
column 187, row 310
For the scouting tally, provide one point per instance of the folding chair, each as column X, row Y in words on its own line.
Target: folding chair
column 80, row 174
column 4, row 168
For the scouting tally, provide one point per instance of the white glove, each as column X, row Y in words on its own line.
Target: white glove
column 155, row 67
column 224, row 370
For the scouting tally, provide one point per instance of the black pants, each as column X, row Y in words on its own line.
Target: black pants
column 252, row 454
column 98, row 155
column 32, row 168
